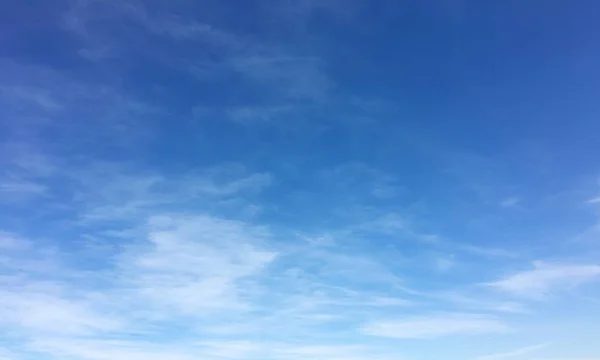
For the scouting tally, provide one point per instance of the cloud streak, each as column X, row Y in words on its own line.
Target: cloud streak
column 513, row 353
column 546, row 279
column 436, row 326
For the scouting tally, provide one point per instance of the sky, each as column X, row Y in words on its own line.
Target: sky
column 299, row 180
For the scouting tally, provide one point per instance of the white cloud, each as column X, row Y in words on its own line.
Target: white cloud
column 113, row 118
column 444, row 263
column 570, row 358
column 329, row 352
column 388, row 301
column 109, row 350
column 250, row 182
column 161, row 260
column 473, row 301
column 594, row 200
column 546, row 279
column 272, row 69
column 211, row 278
column 488, row 252
column 297, row 77
column 178, row 266
column 38, row 97
column 13, row 191
column 436, row 326
column 196, row 264
column 210, row 350
column 101, row 192
column 6, row 354
column 510, row 202
column 259, row 114
column 359, row 181
column 43, row 311
column 513, row 353
column 12, row 242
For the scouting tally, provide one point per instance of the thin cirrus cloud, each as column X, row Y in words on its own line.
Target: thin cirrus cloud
column 181, row 181
column 513, row 353
column 436, row 326
column 546, row 279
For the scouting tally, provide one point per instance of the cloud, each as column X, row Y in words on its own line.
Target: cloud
column 444, row 263
column 488, row 252
column 477, row 302
column 334, row 352
column 25, row 187
column 12, row 242
column 546, row 279
column 298, row 77
column 37, row 293
column 97, row 191
column 39, row 308
column 295, row 16
column 196, row 264
column 360, row 181
column 513, row 353
column 259, row 114
column 207, row 276
column 122, row 196
column 571, row 358
column 594, row 200
column 113, row 117
column 184, row 266
column 510, row 202
column 38, row 97
column 270, row 67
column 19, row 191
column 436, row 326
column 107, row 349
column 210, row 350
column 137, row 243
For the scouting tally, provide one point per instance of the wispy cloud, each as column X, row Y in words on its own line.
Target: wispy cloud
column 510, row 202
column 146, row 214
column 443, row 263
column 513, row 353
column 15, row 190
column 129, row 196
column 279, row 73
column 35, row 96
column 360, row 181
column 488, row 252
column 11, row 242
column 570, row 358
column 38, row 293
column 196, row 264
column 197, row 273
column 546, row 279
column 114, row 116
column 177, row 266
column 436, row 326
column 225, row 349
column 594, row 200
column 479, row 302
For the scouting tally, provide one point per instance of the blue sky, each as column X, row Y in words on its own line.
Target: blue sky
column 299, row 180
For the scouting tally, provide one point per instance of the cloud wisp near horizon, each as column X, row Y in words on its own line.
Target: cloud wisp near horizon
column 286, row 180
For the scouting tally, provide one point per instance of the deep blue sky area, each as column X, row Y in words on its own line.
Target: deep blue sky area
column 299, row 179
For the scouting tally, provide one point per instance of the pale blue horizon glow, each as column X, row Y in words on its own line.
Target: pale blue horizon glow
column 299, row 180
